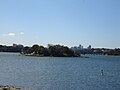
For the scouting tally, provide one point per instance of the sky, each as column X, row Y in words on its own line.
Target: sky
column 65, row 22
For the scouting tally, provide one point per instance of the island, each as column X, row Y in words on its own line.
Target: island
column 50, row 50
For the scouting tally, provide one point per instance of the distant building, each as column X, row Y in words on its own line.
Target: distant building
column 80, row 47
column 18, row 45
column 14, row 45
column 77, row 48
column 89, row 47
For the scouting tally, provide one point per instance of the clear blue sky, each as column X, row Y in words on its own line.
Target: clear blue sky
column 68, row 22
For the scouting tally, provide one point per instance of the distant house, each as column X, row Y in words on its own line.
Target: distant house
column 18, row 45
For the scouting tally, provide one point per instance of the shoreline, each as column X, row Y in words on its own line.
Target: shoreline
column 9, row 88
column 51, row 56
column 37, row 55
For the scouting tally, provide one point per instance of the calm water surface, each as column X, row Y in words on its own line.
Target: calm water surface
column 59, row 73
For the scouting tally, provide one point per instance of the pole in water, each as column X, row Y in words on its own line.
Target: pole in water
column 102, row 73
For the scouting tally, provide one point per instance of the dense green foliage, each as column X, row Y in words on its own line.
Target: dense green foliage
column 10, row 49
column 51, row 50
column 115, row 52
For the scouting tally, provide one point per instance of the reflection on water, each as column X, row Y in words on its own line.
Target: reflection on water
column 58, row 73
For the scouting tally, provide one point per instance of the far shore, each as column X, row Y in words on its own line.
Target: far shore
column 37, row 55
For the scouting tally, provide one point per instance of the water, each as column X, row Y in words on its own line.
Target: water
column 59, row 73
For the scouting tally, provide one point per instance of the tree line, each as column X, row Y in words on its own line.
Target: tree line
column 50, row 50
column 10, row 49
column 57, row 50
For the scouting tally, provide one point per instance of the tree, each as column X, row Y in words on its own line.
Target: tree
column 35, row 48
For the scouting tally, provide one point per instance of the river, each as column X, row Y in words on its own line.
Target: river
column 60, row 73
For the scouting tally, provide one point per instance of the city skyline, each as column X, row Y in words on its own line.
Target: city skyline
column 65, row 22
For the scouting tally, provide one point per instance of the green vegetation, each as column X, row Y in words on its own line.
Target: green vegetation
column 51, row 50
column 57, row 50
column 10, row 48
column 115, row 52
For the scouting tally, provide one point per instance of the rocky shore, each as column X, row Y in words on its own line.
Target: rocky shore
column 9, row 88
